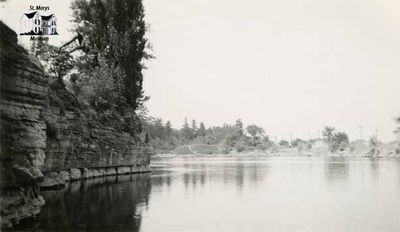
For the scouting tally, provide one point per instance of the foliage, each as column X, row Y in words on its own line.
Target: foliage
column 297, row 142
column 373, row 144
column 327, row 133
column 163, row 138
column 239, row 126
column 168, row 129
column 340, row 141
column 99, row 89
column 397, row 131
column 336, row 140
column 106, row 75
column 255, row 131
column 202, row 130
column 257, row 134
column 265, row 144
column 186, row 131
column 114, row 31
column 227, row 137
column 58, row 64
column 283, row 143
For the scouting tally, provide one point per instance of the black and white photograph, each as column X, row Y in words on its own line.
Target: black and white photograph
column 200, row 115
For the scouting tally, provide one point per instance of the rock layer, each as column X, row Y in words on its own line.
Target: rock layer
column 23, row 130
column 45, row 129
column 78, row 138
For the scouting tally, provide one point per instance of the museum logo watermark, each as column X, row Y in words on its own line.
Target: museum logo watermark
column 38, row 22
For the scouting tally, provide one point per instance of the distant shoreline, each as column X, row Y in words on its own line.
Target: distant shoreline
column 317, row 149
column 279, row 154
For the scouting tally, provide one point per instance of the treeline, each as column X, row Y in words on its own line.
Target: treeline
column 164, row 138
column 237, row 137
column 229, row 137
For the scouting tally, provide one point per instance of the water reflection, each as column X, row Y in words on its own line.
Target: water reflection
column 336, row 168
column 235, row 194
column 232, row 171
column 111, row 203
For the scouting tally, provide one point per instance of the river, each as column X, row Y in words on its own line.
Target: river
column 235, row 194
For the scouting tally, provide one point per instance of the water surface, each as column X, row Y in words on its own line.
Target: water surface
column 235, row 194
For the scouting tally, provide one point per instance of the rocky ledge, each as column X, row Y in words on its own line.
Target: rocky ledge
column 57, row 179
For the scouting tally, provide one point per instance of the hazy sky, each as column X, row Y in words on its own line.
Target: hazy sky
column 291, row 66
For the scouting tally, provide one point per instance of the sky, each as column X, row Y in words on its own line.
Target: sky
column 290, row 66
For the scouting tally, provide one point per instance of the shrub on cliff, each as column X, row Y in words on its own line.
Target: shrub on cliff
column 99, row 89
column 57, row 64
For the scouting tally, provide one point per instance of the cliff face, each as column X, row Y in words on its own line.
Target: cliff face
column 23, row 130
column 82, row 145
column 77, row 140
column 44, row 129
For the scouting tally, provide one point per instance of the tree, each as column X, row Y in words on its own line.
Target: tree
column 98, row 89
column 114, row 30
column 210, row 139
column 373, row 145
column 256, row 133
column 57, row 64
column 239, row 125
column 340, row 141
column 194, row 129
column 202, row 130
column 340, row 137
column 159, row 128
column 168, row 129
column 186, row 132
column 328, row 133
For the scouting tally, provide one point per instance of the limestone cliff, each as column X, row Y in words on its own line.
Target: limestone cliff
column 78, row 139
column 48, row 137
column 23, row 130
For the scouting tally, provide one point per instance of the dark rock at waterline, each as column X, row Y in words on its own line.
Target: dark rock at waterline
column 27, row 175
column 52, row 180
